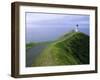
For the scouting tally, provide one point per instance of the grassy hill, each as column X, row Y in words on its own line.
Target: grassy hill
column 70, row 49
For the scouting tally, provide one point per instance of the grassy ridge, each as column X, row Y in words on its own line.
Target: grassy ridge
column 71, row 49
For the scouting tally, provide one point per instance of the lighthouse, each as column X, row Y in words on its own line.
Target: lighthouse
column 76, row 28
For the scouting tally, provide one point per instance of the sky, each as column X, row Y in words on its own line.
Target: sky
column 41, row 27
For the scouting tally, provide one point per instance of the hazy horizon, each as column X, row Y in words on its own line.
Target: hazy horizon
column 41, row 27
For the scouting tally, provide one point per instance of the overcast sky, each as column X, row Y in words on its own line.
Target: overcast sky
column 46, row 27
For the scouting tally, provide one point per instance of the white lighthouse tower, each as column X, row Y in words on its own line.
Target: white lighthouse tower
column 76, row 28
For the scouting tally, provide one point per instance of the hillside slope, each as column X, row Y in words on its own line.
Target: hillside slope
column 70, row 49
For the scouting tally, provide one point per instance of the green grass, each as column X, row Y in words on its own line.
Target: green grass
column 30, row 45
column 70, row 49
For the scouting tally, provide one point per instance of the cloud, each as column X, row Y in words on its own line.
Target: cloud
column 44, row 19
